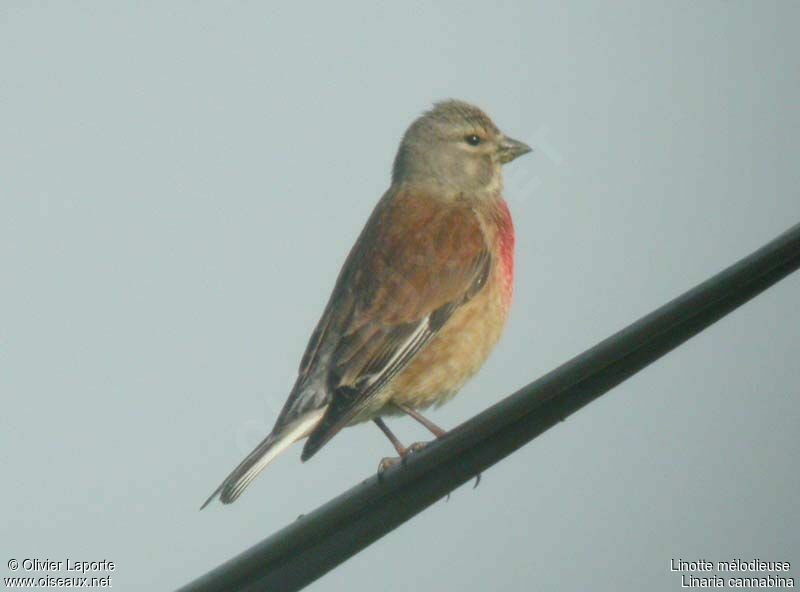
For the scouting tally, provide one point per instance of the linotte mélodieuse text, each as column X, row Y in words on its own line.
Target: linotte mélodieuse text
column 753, row 573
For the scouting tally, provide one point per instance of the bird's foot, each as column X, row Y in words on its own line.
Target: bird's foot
column 415, row 447
column 477, row 480
column 385, row 464
column 390, row 461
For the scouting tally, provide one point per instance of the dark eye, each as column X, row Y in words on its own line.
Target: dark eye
column 472, row 140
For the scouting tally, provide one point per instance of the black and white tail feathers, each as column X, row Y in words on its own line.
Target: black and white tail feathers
column 263, row 454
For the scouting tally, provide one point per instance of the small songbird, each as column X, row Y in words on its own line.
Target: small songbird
column 421, row 299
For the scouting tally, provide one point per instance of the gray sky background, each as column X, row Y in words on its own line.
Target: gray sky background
column 180, row 182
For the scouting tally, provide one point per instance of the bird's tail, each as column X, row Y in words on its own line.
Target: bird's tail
column 263, row 454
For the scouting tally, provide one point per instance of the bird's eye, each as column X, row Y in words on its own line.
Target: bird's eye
column 472, row 140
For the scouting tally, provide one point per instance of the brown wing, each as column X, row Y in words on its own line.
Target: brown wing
column 416, row 262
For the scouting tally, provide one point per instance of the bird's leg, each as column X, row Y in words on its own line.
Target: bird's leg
column 401, row 450
column 431, row 427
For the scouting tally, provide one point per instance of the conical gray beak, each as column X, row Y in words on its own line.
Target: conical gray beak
column 511, row 149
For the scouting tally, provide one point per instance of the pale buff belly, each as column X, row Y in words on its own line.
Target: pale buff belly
column 455, row 354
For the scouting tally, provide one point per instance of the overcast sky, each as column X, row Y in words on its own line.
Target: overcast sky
column 180, row 183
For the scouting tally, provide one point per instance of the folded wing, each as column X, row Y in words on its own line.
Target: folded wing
column 416, row 263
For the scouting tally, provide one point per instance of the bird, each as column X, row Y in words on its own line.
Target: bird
column 422, row 297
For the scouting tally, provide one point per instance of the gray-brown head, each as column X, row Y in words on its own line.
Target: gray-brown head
column 455, row 145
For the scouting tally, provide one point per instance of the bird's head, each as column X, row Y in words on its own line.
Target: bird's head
column 455, row 145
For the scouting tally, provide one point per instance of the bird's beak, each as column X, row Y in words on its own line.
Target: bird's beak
column 511, row 149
